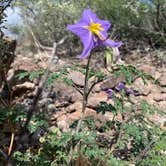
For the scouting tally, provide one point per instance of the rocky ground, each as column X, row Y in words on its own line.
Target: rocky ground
column 63, row 102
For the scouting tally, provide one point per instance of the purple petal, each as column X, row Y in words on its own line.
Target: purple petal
column 78, row 29
column 120, row 86
column 111, row 43
column 110, row 93
column 88, row 16
column 88, row 44
column 129, row 91
column 85, row 36
column 105, row 25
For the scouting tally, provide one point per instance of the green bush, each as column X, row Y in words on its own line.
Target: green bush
column 137, row 22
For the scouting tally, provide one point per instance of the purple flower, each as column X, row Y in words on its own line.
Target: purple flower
column 110, row 93
column 129, row 91
column 120, row 86
column 92, row 32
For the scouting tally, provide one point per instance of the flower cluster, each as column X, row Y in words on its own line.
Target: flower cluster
column 92, row 33
column 119, row 87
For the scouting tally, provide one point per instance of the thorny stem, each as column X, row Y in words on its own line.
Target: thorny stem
column 85, row 95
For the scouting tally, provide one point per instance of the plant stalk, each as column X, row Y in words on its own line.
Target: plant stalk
column 85, row 95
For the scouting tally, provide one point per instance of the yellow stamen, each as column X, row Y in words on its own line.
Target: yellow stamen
column 95, row 28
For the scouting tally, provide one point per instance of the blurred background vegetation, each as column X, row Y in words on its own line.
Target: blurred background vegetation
column 138, row 23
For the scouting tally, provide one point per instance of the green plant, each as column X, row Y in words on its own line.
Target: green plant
column 131, row 73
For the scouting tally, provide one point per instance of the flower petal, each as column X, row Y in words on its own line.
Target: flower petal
column 88, row 43
column 116, row 53
column 78, row 29
column 88, row 16
column 120, row 86
column 105, row 25
column 85, row 36
column 129, row 91
column 111, row 43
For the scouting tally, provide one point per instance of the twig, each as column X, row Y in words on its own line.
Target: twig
column 75, row 86
column 38, row 44
column 94, row 83
column 7, row 5
column 143, row 153
column 3, row 102
column 11, row 142
column 3, row 154
column 43, row 82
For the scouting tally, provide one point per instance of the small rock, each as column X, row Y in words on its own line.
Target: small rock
column 147, row 69
column 77, row 77
column 163, row 90
column 162, row 80
column 65, row 92
column 111, row 82
column 77, row 114
column 21, row 89
column 95, row 99
column 160, row 97
column 26, row 85
column 62, row 123
column 143, row 89
column 52, row 108
column 74, row 107
column 133, row 99
column 96, row 88
column 158, row 119
column 155, row 89
column 162, row 105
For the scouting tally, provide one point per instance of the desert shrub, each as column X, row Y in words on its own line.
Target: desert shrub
column 140, row 22
column 48, row 19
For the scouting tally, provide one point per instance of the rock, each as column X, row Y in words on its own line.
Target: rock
column 22, row 63
column 74, row 107
column 133, row 99
column 112, row 81
column 159, row 97
column 96, row 88
column 66, row 92
column 162, row 105
column 143, row 89
column 95, row 99
column 158, row 119
column 62, row 123
column 52, row 108
column 65, row 120
column 77, row 78
column 146, row 68
column 162, row 80
column 155, row 88
column 57, row 65
column 22, row 88
column 61, row 103
column 77, row 114
column 163, row 90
